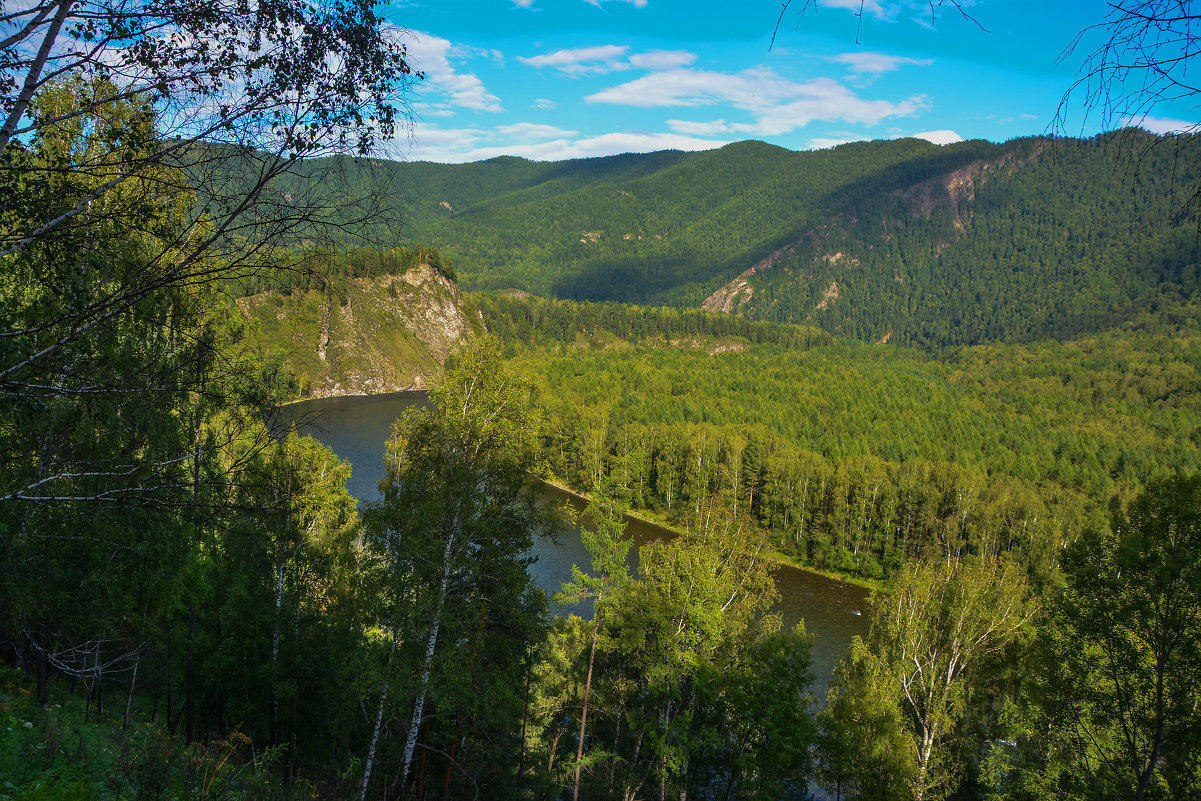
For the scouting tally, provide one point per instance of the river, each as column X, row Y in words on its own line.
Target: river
column 356, row 429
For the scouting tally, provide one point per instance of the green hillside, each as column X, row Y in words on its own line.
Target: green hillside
column 661, row 227
column 858, row 457
column 920, row 244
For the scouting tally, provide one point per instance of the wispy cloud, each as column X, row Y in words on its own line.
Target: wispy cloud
column 872, row 7
column 634, row 3
column 597, row 3
column 533, row 130
column 868, row 63
column 1160, row 126
column 544, row 103
column 427, row 142
column 582, row 60
column 533, row 141
column 603, row 59
column 710, row 128
column 662, row 59
column 777, row 105
column 923, row 12
column 432, row 55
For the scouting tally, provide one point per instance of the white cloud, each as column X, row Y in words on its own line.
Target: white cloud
column 532, row 130
column 606, row 145
column 634, row 3
column 523, row 3
column 1161, row 126
column 778, row 105
column 430, row 143
column 700, row 128
column 868, row 63
column 458, row 145
column 681, row 87
column 544, row 103
column 939, row 137
column 662, row 59
column 872, row 7
column 433, row 110
column 823, row 142
column 432, row 55
column 603, row 59
column 582, row 60
column 920, row 11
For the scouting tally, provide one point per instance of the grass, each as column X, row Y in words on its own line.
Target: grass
column 50, row 753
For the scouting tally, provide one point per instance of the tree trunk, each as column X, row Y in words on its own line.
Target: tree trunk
column 427, row 664
column 34, row 75
column 579, row 754
column 133, row 682
column 42, row 661
column 280, row 574
column 450, row 761
column 525, row 716
column 379, row 721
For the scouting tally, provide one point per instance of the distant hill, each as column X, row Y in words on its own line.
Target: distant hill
column 901, row 241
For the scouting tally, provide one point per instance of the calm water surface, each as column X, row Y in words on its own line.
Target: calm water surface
column 357, row 428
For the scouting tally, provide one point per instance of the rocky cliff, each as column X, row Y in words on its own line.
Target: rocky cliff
column 374, row 335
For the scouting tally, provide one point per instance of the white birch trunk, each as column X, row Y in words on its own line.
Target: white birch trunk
column 379, row 723
column 427, row 665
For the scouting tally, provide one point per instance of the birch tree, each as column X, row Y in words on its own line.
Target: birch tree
column 604, row 537
column 923, row 654
column 458, row 494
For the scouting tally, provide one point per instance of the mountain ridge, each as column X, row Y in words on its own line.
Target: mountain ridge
column 972, row 242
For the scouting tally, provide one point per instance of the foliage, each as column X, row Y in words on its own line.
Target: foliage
column 541, row 322
column 902, row 241
column 1118, row 686
column 917, row 677
column 140, row 150
column 685, row 654
column 452, row 530
column 279, row 596
column 1003, row 448
column 51, row 754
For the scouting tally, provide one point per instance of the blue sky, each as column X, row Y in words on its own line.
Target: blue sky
column 556, row 79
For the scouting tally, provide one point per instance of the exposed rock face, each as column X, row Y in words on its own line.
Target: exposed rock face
column 957, row 189
column 731, row 297
column 385, row 334
column 437, row 318
column 829, row 295
column 810, row 259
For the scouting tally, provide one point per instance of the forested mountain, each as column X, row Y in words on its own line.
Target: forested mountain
column 899, row 240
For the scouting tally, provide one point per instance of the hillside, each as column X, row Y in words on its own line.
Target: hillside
column 902, row 241
column 857, row 457
column 381, row 334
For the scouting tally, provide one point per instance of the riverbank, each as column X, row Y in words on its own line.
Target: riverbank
column 414, row 391
column 648, row 518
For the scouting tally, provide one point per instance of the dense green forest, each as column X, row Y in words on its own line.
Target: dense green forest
column 859, row 458
column 193, row 607
column 931, row 246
